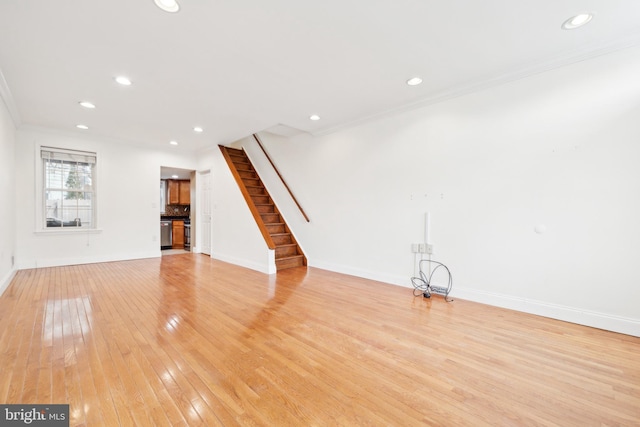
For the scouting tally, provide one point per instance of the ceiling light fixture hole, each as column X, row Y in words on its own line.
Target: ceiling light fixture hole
column 577, row 21
column 170, row 6
column 124, row 81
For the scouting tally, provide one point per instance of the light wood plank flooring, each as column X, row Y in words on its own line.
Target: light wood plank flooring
column 185, row 340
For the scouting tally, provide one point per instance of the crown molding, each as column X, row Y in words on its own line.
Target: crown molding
column 566, row 58
column 7, row 97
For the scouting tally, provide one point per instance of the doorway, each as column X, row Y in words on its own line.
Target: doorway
column 177, row 203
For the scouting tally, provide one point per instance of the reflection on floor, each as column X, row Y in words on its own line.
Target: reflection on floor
column 174, row 252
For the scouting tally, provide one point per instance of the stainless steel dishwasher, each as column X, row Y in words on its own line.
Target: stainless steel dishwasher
column 166, row 239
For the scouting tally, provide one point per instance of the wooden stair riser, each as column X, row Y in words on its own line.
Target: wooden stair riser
column 266, row 208
column 270, row 218
column 247, row 174
column 241, row 162
column 286, row 251
column 275, row 228
column 290, row 262
column 243, row 169
column 261, row 199
column 238, row 156
column 282, row 238
column 260, row 191
column 252, row 182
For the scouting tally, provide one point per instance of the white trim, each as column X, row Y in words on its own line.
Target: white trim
column 365, row 274
column 252, row 265
column 57, row 231
column 6, row 280
column 9, row 101
column 623, row 325
column 60, row 262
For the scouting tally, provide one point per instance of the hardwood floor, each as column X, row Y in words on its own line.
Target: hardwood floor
column 186, row 340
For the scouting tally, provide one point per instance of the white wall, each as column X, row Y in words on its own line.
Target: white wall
column 127, row 202
column 235, row 236
column 8, row 197
column 559, row 149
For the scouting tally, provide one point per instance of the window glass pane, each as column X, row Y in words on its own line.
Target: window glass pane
column 163, row 193
column 52, row 203
column 77, row 176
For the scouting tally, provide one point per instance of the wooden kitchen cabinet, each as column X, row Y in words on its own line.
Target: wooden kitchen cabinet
column 177, row 228
column 185, row 192
column 173, row 192
column 178, row 192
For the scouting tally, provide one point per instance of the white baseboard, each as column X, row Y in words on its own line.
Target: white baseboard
column 250, row 264
column 6, row 280
column 365, row 274
column 58, row 262
column 623, row 325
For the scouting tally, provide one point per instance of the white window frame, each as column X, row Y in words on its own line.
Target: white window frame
column 40, row 214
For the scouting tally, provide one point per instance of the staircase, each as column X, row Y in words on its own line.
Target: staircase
column 274, row 230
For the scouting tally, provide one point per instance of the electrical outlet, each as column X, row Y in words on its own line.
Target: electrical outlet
column 429, row 249
column 419, row 248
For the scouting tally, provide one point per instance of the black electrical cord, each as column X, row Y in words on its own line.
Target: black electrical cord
column 422, row 285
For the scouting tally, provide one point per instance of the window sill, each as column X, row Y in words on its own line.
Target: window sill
column 67, row 230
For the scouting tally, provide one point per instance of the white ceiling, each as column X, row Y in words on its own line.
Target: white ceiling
column 238, row 67
column 167, row 172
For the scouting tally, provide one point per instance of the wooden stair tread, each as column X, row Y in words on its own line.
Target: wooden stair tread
column 289, row 257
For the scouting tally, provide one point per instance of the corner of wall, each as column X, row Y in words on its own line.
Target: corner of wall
column 6, row 281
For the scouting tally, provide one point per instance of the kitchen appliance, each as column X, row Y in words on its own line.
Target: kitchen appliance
column 166, row 238
column 187, row 235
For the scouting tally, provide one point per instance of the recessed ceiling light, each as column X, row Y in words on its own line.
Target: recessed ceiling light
column 314, row 117
column 577, row 21
column 168, row 5
column 83, row 127
column 174, row 176
column 414, row 81
column 198, row 129
column 87, row 104
column 124, row 81
column 173, row 142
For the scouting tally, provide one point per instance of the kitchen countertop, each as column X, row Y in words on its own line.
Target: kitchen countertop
column 173, row 217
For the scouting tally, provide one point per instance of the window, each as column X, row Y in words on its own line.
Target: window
column 163, row 194
column 69, row 190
